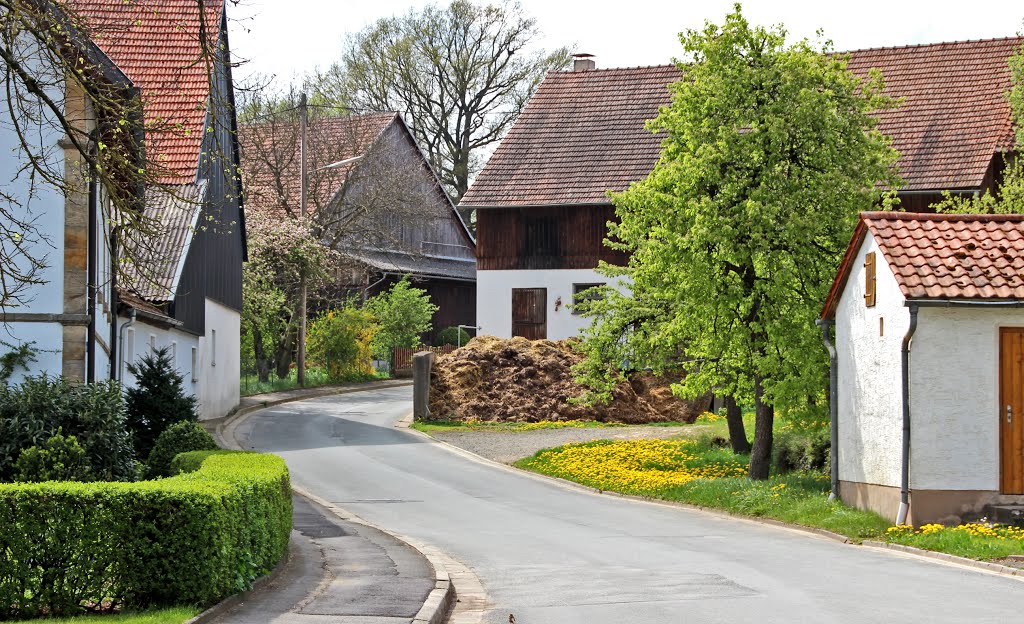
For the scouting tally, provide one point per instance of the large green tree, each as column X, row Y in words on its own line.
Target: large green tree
column 459, row 73
column 770, row 152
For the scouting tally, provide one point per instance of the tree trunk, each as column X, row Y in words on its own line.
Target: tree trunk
column 737, row 433
column 764, row 418
column 260, row 356
column 284, row 354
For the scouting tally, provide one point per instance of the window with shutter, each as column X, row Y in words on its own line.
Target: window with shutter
column 869, row 280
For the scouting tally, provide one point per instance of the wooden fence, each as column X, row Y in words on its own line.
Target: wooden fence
column 402, row 357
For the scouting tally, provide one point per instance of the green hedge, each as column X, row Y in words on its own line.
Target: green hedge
column 191, row 539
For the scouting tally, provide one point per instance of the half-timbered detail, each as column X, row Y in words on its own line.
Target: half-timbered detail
column 542, row 202
column 948, row 319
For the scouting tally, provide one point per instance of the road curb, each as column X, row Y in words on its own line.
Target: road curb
column 231, row 601
column 440, row 600
column 994, row 568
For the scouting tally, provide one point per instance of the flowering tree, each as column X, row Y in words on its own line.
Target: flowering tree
column 280, row 252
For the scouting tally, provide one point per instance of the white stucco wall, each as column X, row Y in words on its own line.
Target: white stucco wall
column 494, row 299
column 141, row 338
column 220, row 367
column 870, row 387
column 48, row 339
column 954, row 397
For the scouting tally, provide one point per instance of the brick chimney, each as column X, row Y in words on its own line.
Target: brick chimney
column 583, row 62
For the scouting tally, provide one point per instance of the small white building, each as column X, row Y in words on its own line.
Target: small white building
column 928, row 407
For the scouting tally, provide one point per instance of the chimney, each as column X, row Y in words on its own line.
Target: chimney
column 583, row 62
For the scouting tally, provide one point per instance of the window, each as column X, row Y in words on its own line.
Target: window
column 129, row 345
column 195, row 364
column 580, row 295
column 174, row 353
column 152, row 342
column 213, row 347
column 869, row 280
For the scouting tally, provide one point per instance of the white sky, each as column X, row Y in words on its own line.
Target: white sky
column 287, row 38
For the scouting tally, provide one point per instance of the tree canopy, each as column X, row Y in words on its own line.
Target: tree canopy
column 770, row 152
column 460, row 74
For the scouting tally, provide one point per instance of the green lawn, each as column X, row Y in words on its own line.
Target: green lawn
column 176, row 615
column 315, row 376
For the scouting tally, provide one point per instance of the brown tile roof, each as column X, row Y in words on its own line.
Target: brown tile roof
column 270, row 158
column 583, row 132
column 156, row 43
column 955, row 115
column 943, row 256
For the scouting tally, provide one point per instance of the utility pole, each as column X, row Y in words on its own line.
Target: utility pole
column 300, row 363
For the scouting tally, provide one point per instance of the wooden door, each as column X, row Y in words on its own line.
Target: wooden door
column 1011, row 410
column 530, row 313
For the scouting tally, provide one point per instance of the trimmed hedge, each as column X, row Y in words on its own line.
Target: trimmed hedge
column 181, row 437
column 191, row 539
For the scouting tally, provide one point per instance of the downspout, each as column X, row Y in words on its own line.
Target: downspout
column 90, row 341
column 904, row 511
column 833, row 402
column 115, row 351
column 124, row 330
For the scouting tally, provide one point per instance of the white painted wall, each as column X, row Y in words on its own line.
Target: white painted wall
column 870, row 388
column 494, row 299
column 954, row 397
column 49, row 341
column 220, row 367
column 141, row 339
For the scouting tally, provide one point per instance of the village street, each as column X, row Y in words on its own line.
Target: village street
column 552, row 554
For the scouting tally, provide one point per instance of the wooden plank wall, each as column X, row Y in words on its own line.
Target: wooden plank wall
column 544, row 238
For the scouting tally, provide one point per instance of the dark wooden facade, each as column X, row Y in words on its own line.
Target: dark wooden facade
column 455, row 300
column 213, row 267
column 570, row 237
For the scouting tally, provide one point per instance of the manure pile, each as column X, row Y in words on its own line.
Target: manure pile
column 519, row 380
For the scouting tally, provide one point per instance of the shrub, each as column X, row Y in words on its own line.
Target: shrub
column 157, row 401
column 190, row 539
column 59, row 459
column 340, row 339
column 180, row 437
column 450, row 336
column 403, row 313
column 801, row 450
column 41, row 407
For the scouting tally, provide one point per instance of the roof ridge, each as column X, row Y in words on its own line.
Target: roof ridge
column 932, row 44
column 597, row 70
column 928, row 216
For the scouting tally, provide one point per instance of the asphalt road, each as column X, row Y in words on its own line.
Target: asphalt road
column 550, row 554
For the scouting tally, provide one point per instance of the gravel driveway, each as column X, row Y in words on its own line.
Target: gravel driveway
column 508, row 446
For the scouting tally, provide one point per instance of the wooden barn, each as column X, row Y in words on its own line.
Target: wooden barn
column 542, row 199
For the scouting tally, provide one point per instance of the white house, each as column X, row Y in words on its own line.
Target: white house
column 86, row 320
column 928, row 410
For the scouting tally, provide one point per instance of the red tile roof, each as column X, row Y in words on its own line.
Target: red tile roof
column 270, row 158
column 583, row 133
column 942, row 256
column 156, row 43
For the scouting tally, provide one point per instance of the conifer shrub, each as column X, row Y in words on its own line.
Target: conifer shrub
column 157, row 401
column 189, row 540
column 181, row 437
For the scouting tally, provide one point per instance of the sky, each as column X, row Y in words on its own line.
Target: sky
column 288, row 38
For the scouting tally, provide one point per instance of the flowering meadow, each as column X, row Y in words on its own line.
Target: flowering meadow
column 977, row 540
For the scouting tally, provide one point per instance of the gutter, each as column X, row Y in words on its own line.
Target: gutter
column 833, row 402
column 950, row 303
column 904, row 510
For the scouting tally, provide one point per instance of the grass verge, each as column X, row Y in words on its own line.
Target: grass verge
column 175, row 615
column 443, row 426
column 699, row 473
column 315, row 377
